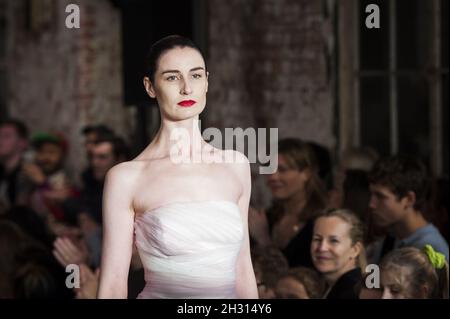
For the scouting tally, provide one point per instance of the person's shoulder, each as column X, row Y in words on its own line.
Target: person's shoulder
column 429, row 232
column 236, row 157
column 430, row 235
column 237, row 162
column 125, row 171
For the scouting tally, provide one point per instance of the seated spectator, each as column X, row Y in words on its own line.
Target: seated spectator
column 15, row 186
column 338, row 252
column 93, row 133
column 399, row 188
column 106, row 153
column 27, row 269
column 52, row 186
column 300, row 283
column 297, row 196
column 268, row 264
column 412, row 273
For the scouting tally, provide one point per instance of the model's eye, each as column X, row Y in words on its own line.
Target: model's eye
column 197, row 76
column 172, row 78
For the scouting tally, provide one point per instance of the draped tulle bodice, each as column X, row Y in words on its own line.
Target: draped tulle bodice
column 189, row 249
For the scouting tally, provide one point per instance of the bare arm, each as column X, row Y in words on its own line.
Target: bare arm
column 118, row 227
column 245, row 276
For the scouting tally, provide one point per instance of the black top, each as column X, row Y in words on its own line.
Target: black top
column 298, row 250
column 345, row 286
column 12, row 183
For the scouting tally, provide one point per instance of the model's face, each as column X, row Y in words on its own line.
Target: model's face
column 386, row 208
column 181, row 83
column 332, row 250
column 286, row 181
column 290, row 288
column 49, row 158
column 10, row 141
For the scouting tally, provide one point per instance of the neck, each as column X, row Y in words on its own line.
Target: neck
column 181, row 135
column 295, row 204
column 11, row 162
column 332, row 277
column 408, row 225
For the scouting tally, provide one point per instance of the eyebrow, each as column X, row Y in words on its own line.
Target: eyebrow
column 177, row 71
column 379, row 194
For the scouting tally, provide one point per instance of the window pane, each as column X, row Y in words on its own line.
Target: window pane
column 374, row 43
column 374, row 111
column 444, row 34
column 413, row 117
column 413, row 22
column 445, row 114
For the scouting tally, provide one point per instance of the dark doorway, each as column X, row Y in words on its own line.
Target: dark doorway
column 144, row 22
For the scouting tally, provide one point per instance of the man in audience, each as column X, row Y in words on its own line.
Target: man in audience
column 399, row 187
column 52, row 185
column 15, row 187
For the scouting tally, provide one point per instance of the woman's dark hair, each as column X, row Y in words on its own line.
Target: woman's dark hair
column 300, row 156
column 163, row 45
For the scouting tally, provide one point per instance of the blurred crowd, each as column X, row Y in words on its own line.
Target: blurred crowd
column 327, row 221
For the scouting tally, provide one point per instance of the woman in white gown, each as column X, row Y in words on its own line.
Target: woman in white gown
column 187, row 217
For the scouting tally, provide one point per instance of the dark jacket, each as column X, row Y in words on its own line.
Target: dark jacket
column 298, row 250
column 346, row 286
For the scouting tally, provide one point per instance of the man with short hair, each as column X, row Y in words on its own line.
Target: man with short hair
column 53, row 188
column 399, row 187
column 15, row 187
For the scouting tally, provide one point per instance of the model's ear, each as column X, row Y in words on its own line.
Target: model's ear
column 207, row 77
column 149, row 87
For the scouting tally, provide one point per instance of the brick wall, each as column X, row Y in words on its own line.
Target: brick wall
column 268, row 68
column 63, row 79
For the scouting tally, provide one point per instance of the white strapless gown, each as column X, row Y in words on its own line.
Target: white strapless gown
column 189, row 249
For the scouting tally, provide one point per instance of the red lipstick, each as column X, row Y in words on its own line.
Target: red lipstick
column 186, row 103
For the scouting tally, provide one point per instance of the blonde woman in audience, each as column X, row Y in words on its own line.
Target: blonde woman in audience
column 338, row 252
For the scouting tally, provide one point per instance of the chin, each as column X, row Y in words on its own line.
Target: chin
column 278, row 194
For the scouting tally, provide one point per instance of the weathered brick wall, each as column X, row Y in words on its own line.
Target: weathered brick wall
column 267, row 63
column 62, row 79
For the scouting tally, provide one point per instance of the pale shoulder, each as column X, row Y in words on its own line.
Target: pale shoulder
column 125, row 172
column 239, row 164
column 238, row 158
